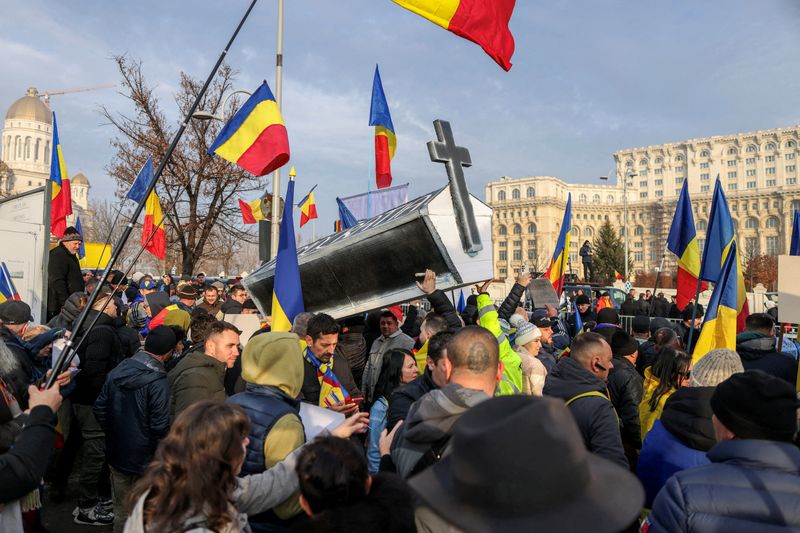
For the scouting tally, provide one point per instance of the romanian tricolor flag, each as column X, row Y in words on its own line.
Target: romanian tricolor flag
column 618, row 276
column 255, row 138
column 337, row 226
column 484, row 22
column 682, row 241
column 719, row 325
column 7, row 289
column 287, row 292
column 308, row 207
column 558, row 265
column 385, row 139
column 251, row 211
column 154, row 225
column 720, row 237
column 60, row 198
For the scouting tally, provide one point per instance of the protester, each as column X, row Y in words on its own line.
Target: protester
column 548, row 353
column 431, row 325
column 625, row 388
column 211, row 302
column 391, row 338
column 192, row 483
column 398, row 368
column 272, row 367
column 249, row 307
column 138, row 316
column 608, row 323
column 338, row 493
column 352, row 345
column 473, row 370
column 17, row 370
column 580, row 380
column 235, row 302
column 669, row 373
column 587, row 257
column 757, row 347
column 660, row 306
column 133, row 411
column 327, row 380
column 434, row 377
column 629, row 307
column 187, row 297
column 684, row 433
column 753, row 481
column 63, row 271
column 643, row 306
column 200, row 374
column 69, row 311
column 640, row 329
column 662, row 336
column 574, row 493
column 488, row 318
column 685, row 325
column 584, row 307
column 528, row 343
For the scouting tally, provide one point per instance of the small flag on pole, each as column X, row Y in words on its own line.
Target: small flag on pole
column 462, row 304
column 7, row 289
column 251, row 211
column 142, row 182
column 308, row 207
column 60, row 198
column 82, row 248
column 558, row 265
column 154, row 221
column 618, row 276
column 719, row 324
column 578, row 319
column 385, row 138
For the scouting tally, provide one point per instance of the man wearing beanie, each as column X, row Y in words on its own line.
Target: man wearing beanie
column 273, row 368
column 626, row 387
column 133, row 410
column 63, row 271
column 584, row 307
column 753, row 481
column 684, row 433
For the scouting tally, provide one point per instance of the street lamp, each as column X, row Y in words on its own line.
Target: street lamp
column 207, row 115
column 628, row 174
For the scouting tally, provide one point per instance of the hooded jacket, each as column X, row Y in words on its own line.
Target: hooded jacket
column 272, row 367
column 758, row 352
column 196, row 377
column 423, row 437
column 594, row 414
column 750, row 485
column 100, row 352
column 133, row 410
column 679, row 440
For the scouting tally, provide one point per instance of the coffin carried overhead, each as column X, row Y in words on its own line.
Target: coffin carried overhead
column 374, row 264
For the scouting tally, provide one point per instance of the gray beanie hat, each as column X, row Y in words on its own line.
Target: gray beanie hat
column 715, row 367
column 526, row 333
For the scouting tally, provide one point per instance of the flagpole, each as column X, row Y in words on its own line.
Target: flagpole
column 276, row 176
column 658, row 275
column 107, row 240
column 68, row 352
column 694, row 315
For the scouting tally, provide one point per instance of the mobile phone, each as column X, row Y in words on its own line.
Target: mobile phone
column 358, row 400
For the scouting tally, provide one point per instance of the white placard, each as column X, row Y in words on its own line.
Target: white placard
column 789, row 289
column 316, row 418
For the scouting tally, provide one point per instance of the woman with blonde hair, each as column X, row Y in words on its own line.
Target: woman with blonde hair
column 192, row 485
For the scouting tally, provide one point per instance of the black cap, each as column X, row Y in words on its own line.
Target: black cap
column 623, row 344
column 688, row 311
column 640, row 324
column 160, row 340
column 117, row 278
column 582, row 299
column 249, row 304
column 608, row 315
column 15, row 312
column 659, row 322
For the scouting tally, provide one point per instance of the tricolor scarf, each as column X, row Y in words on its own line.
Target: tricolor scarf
column 331, row 391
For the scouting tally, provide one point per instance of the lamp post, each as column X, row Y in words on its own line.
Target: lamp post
column 625, row 185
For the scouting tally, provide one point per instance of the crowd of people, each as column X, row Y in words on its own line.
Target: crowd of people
column 495, row 418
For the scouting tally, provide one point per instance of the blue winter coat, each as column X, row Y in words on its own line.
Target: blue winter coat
column 751, row 485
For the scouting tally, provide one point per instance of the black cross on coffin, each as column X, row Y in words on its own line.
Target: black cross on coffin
column 454, row 157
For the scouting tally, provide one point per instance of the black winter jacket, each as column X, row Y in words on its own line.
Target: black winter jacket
column 99, row 353
column 626, row 387
column 22, row 468
column 594, row 415
column 758, row 353
column 442, row 306
column 133, row 410
column 509, row 305
column 750, row 485
column 63, row 278
column 660, row 307
column 402, row 398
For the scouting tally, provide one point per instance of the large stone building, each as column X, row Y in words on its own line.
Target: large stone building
column 26, row 143
column 758, row 171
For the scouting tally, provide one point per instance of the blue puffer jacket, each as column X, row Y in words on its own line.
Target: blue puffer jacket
column 751, row 485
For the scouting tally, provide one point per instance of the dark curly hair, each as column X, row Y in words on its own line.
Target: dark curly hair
column 194, row 468
column 332, row 473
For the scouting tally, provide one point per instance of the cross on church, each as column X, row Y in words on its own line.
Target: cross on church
column 454, row 157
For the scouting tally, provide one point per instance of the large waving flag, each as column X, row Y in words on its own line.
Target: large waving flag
column 142, row 182
column 82, row 247
column 682, row 241
column 558, row 265
column 154, row 222
column 251, row 211
column 308, row 207
column 484, row 22
column 255, row 138
column 794, row 245
column 7, row 289
column 719, row 325
column 287, row 292
column 385, row 139
column 720, row 237
column 60, row 198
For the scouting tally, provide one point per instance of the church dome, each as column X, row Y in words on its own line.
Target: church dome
column 79, row 179
column 30, row 107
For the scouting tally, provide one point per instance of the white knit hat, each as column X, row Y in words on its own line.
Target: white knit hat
column 715, row 367
column 526, row 333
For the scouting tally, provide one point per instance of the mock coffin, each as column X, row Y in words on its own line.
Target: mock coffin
column 374, row 264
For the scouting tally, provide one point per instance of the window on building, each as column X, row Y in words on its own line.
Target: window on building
column 502, row 244
column 515, row 194
column 659, row 160
column 679, row 158
column 704, row 176
column 517, row 255
column 659, row 171
column 30, row 183
column 643, row 195
column 503, row 255
column 704, row 188
column 517, row 229
column 770, row 146
column 773, row 247
column 751, row 223
column 732, row 187
column 702, row 225
column 628, row 163
column 596, row 199
column 788, row 156
column 659, row 182
column 770, row 159
column 582, row 198
column 750, row 160
column 701, row 243
column 638, row 231
column 705, row 153
column 679, row 181
column 643, row 162
column 502, row 230
column 638, row 256
column 680, row 168
column 643, row 172
column 502, row 271
column 531, row 192
column 610, row 199
column 751, row 184
column 659, row 194
column 791, row 181
column 638, row 244
column 732, row 151
column 576, row 233
column 790, row 144
column 772, row 183
column 501, row 196
column 732, row 174
column 531, row 228
column 588, row 232
column 731, row 162
column 770, row 170
column 531, row 243
column 750, row 246
column 532, row 255
column 750, row 172
column 790, row 168
column 772, row 222
column 752, row 148
column 704, row 165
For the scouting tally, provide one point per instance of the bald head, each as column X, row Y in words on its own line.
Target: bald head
column 474, row 349
column 592, row 352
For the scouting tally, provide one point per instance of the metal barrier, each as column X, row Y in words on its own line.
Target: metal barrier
column 626, row 322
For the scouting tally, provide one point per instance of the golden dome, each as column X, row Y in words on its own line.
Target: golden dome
column 79, row 179
column 30, row 107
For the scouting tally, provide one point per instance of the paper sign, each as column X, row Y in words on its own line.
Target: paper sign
column 316, row 418
column 542, row 293
column 247, row 324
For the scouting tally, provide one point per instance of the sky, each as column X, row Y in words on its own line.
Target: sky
column 590, row 77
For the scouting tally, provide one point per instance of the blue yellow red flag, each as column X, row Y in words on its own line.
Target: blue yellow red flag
column 251, row 211
column 308, row 207
column 719, row 324
column 7, row 289
column 255, row 137
column 558, row 265
column 287, row 292
column 385, row 138
column 60, row 197
column 682, row 241
column 154, row 225
column 142, row 182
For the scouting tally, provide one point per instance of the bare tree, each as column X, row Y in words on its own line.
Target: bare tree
column 103, row 217
column 198, row 191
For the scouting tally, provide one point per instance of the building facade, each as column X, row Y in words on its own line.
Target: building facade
column 757, row 170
